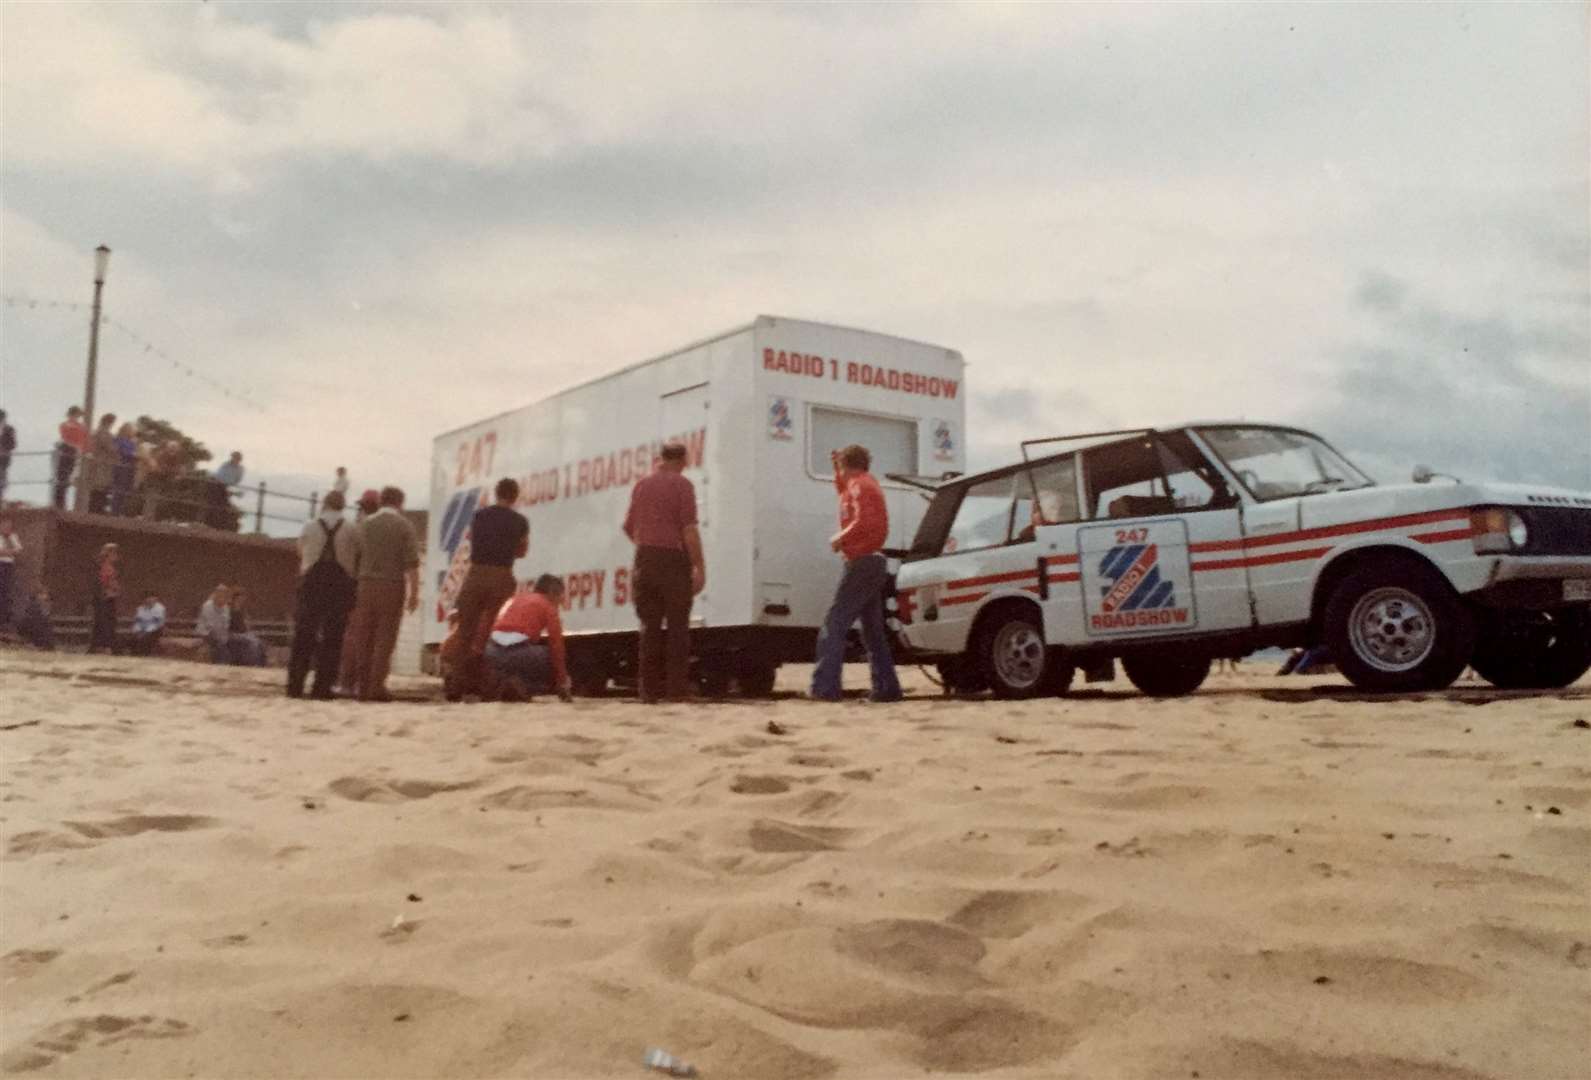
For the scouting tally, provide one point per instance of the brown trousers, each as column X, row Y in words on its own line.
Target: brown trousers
column 482, row 594
column 373, row 634
column 663, row 595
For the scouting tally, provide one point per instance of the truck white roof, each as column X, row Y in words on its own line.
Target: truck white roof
column 760, row 320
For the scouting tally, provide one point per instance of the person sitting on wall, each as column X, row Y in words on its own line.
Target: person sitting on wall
column 214, row 624
column 149, row 622
column 243, row 648
column 516, row 658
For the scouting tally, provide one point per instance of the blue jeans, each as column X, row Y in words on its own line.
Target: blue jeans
column 529, row 662
column 859, row 596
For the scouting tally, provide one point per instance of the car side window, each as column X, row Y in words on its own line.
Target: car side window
column 1191, row 481
column 1126, row 479
column 984, row 517
column 1046, row 495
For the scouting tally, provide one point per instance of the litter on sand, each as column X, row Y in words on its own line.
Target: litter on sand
column 665, row 1062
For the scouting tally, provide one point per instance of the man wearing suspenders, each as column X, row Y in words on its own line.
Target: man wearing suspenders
column 328, row 560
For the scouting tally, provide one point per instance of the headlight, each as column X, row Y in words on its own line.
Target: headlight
column 1497, row 530
column 1518, row 531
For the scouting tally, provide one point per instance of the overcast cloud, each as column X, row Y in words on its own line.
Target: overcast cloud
column 378, row 223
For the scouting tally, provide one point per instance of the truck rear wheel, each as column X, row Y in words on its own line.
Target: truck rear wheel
column 756, row 680
column 713, row 678
column 1396, row 625
column 1166, row 673
column 1539, row 650
column 1012, row 656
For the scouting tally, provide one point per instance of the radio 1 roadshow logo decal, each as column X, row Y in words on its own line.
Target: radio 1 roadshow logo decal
column 944, row 442
column 1139, row 582
column 781, row 425
column 454, row 540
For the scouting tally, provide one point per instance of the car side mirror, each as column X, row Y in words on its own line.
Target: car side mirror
column 1423, row 474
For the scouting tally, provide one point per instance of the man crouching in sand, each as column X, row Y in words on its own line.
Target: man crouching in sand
column 517, row 659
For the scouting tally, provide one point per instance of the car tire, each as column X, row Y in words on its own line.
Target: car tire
column 1058, row 674
column 1165, row 673
column 1011, row 653
column 1395, row 625
column 1543, row 650
column 961, row 675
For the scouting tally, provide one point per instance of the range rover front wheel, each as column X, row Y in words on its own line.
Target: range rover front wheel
column 1396, row 625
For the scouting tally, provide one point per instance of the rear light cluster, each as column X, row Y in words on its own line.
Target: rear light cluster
column 1497, row 530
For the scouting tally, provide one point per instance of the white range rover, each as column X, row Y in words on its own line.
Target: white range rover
column 1168, row 548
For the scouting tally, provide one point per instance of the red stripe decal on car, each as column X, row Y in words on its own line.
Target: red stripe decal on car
column 1261, row 560
column 1373, row 525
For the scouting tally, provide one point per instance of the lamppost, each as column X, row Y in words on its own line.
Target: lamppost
column 101, row 262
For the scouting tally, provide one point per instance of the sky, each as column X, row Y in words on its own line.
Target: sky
column 339, row 230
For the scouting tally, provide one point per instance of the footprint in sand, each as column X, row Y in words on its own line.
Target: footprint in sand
column 42, row 841
column 21, row 962
column 1252, row 1057
column 1010, row 913
column 69, row 1036
column 140, row 823
column 1362, row 974
column 523, row 797
column 362, row 789
column 942, row 956
column 760, row 785
column 818, row 761
column 771, row 837
column 84, row 834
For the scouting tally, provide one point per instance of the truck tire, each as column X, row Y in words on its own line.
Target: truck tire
column 1542, row 650
column 1396, row 625
column 1011, row 654
column 757, row 680
column 713, row 679
column 1166, row 673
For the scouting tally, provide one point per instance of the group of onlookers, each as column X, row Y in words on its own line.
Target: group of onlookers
column 356, row 579
column 111, row 464
column 222, row 624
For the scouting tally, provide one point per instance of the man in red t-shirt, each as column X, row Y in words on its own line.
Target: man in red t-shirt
column 515, row 652
column 864, row 526
column 669, row 571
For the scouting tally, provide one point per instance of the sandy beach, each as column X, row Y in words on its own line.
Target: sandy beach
column 1273, row 878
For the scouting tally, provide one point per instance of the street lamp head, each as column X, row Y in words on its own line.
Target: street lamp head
column 101, row 261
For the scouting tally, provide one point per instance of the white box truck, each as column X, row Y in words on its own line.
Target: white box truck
column 759, row 408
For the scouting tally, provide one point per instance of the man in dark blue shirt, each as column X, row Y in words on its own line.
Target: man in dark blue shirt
column 498, row 535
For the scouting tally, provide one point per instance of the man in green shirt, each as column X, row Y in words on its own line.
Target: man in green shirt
column 389, row 566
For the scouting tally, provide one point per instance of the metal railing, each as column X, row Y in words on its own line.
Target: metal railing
column 80, row 499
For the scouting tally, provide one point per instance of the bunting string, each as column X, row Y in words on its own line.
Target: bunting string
column 150, row 349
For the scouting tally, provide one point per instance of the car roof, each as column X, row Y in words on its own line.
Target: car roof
column 1106, row 438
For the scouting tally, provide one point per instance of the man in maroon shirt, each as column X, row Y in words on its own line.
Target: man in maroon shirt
column 668, row 572
column 864, row 525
